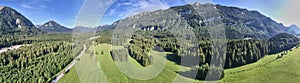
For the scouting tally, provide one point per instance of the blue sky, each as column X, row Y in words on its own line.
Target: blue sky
column 41, row 11
column 66, row 12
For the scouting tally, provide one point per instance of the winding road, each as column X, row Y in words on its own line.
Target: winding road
column 73, row 62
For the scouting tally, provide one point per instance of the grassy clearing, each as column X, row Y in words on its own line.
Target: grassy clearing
column 268, row 70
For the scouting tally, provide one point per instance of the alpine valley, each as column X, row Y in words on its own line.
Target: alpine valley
column 199, row 42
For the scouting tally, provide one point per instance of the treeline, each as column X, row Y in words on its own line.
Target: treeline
column 50, row 37
column 244, row 52
column 9, row 40
column 35, row 63
column 119, row 55
column 105, row 37
column 282, row 42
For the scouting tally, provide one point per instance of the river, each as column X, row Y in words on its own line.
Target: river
column 10, row 48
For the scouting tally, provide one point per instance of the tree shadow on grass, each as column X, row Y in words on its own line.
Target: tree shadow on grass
column 174, row 58
column 187, row 61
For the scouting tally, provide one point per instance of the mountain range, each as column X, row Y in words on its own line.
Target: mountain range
column 238, row 23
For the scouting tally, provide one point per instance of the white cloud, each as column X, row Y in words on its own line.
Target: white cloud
column 144, row 5
column 130, row 8
column 26, row 6
column 127, row 3
column 29, row 4
column 35, row 4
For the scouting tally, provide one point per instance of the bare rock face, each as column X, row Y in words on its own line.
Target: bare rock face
column 1, row 7
column 18, row 22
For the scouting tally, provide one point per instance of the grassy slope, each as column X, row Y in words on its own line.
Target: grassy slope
column 70, row 77
column 114, row 75
column 268, row 70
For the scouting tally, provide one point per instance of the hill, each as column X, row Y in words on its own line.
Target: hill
column 282, row 42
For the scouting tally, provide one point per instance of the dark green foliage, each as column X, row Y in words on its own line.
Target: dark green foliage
column 282, row 42
column 210, row 73
column 102, row 52
column 205, row 72
column 119, row 55
column 35, row 63
column 9, row 40
column 50, row 37
column 140, row 47
column 105, row 37
column 244, row 52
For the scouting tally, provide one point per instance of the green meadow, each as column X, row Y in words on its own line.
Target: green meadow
column 268, row 69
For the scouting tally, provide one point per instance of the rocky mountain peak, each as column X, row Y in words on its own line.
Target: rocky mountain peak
column 51, row 23
column 53, row 26
column 1, row 7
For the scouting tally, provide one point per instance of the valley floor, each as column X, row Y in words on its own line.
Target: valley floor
column 268, row 69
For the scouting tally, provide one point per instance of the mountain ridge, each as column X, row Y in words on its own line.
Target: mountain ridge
column 238, row 23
